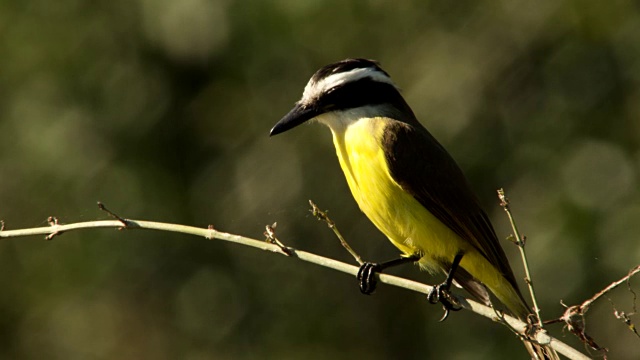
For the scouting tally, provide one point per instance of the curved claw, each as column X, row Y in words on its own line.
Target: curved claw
column 367, row 277
column 445, row 315
column 439, row 294
column 447, row 310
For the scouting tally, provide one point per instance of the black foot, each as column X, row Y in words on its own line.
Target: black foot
column 367, row 277
column 440, row 294
column 367, row 272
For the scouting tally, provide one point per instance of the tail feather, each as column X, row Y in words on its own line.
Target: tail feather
column 477, row 289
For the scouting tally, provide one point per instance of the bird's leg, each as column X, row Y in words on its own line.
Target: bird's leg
column 368, row 270
column 439, row 292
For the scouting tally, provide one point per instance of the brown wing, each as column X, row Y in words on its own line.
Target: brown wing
column 424, row 169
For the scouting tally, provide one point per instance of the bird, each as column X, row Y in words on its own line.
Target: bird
column 408, row 185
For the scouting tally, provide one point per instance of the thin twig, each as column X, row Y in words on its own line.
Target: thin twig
column 584, row 307
column 574, row 316
column 520, row 242
column 125, row 222
column 322, row 216
column 53, row 222
column 209, row 233
column 625, row 318
column 270, row 234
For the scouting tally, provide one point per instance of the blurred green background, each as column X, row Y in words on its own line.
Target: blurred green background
column 161, row 109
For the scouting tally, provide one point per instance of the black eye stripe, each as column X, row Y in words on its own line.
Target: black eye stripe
column 358, row 93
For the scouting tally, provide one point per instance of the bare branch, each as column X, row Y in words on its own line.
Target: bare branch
column 102, row 207
column 584, row 307
column 210, row 233
column 520, row 242
column 322, row 216
column 574, row 316
column 270, row 234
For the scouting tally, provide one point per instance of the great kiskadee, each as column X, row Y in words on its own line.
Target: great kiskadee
column 404, row 181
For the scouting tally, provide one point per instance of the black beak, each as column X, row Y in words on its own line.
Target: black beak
column 298, row 115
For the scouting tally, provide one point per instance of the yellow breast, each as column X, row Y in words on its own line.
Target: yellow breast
column 396, row 213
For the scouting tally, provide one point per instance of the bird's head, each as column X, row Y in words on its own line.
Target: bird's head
column 346, row 85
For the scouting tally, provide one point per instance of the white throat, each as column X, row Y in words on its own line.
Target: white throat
column 339, row 121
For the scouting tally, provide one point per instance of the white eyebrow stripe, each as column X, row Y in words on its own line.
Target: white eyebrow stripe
column 314, row 89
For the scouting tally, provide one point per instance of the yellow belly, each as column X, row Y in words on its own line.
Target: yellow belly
column 397, row 214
